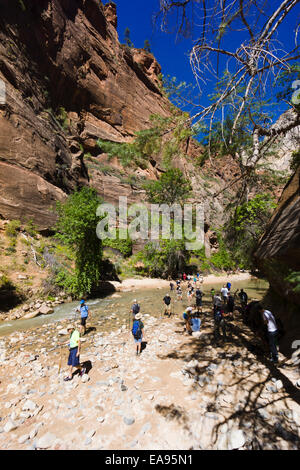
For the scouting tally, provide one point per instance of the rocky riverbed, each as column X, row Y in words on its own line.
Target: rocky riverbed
column 183, row 392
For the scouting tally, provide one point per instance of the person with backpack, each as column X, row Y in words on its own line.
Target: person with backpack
column 217, row 302
column 187, row 317
column 167, row 301
column 84, row 313
column 270, row 322
column 138, row 333
column 221, row 316
column 199, row 295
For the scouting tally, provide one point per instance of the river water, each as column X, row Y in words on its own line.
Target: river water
column 113, row 311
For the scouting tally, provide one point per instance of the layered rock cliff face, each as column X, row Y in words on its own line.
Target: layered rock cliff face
column 69, row 82
column 62, row 65
column 278, row 254
column 278, row 251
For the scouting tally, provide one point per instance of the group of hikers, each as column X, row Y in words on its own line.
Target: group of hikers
column 223, row 307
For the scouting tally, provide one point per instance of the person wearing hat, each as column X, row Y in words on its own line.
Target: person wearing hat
column 84, row 313
column 138, row 332
column 74, row 352
column 187, row 316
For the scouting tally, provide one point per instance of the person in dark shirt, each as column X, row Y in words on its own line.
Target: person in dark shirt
column 243, row 298
column 199, row 295
column 167, row 302
column 230, row 303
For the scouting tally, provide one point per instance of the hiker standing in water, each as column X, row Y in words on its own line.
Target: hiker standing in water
column 84, row 313
column 167, row 301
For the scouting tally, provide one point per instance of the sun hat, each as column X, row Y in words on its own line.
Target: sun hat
column 70, row 327
column 138, row 316
column 189, row 309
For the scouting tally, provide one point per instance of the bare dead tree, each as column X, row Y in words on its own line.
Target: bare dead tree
column 253, row 66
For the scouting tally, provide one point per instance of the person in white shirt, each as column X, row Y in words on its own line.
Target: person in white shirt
column 269, row 320
column 224, row 293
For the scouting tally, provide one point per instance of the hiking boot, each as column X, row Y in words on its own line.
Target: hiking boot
column 66, row 379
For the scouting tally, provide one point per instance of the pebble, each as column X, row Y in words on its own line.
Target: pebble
column 46, row 441
column 128, row 421
column 29, row 406
column 10, row 426
column 23, row 438
column 235, row 439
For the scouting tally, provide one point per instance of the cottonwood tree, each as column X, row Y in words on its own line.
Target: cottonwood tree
column 241, row 37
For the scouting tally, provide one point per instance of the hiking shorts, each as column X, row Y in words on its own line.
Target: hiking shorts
column 198, row 302
column 73, row 359
column 83, row 321
column 138, row 340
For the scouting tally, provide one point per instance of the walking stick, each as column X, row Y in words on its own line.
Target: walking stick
column 60, row 361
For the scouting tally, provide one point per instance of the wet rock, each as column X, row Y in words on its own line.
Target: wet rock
column 33, row 314
column 44, row 310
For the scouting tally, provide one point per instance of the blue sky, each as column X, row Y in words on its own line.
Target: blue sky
column 172, row 54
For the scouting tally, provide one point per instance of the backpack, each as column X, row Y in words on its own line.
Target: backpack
column 218, row 314
column 136, row 330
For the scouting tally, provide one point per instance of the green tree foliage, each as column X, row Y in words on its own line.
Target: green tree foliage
column 247, row 225
column 295, row 160
column 252, row 215
column 164, row 258
column 127, row 39
column 124, row 246
column 220, row 140
column 285, row 81
column 152, row 141
column 294, row 279
column 76, row 227
column 12, row 228
column 147, row 46
column 171, row 188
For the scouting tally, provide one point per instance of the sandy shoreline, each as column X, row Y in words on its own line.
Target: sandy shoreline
column 152, row 283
